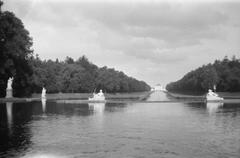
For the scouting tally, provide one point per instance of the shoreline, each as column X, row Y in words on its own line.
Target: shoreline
column 225, row 95
column 135, row 96
column 186, row 97
column 228, row 98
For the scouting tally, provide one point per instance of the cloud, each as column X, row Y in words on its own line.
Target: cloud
column 20, row 7
column 162, row 21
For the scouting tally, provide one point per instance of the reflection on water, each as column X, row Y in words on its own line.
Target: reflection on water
column 213, row 107
column 171, row 130
column 97, row 107
column 9, row 115
column 158, row 96
column 44, row 100
column 43, row 155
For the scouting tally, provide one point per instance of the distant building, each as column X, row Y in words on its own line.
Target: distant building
column 159, row 87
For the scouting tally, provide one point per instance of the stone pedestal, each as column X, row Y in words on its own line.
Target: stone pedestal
column 9, row 93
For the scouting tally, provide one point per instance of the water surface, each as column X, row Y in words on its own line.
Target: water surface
column 150, row 130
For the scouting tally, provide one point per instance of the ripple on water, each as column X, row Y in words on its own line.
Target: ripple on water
column 44, row 155
column 169, row 130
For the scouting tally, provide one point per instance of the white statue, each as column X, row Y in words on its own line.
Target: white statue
column 211, row 96
column 43, row 93
column 98, row 97
column 100, row 93
column 9, row 84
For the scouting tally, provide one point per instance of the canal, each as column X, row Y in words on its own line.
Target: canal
column 134, row 130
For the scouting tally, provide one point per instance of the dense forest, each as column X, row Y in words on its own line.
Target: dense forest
column 80, row 76
column 31, row 74
column 224, row 74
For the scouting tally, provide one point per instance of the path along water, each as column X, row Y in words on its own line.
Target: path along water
column 151, row 130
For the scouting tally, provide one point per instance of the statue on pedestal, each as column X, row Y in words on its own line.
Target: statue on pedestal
column 9, row 88
column 98, row 96
column 43, row 93
column 9, row 84
column 43, row 99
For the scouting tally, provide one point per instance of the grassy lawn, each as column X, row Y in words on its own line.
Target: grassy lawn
column 229, row 95
column 134, row 95
column 226, row 95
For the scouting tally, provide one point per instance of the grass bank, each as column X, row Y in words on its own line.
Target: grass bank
column 115, row 96
column 186, row 97
column 81, row 96
column 225, row 95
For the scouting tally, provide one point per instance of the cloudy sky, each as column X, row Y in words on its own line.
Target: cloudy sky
column 154, row 41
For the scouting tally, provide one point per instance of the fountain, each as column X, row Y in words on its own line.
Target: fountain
column 9, row 88
column 43, row 93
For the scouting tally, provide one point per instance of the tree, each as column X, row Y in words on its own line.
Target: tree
column 224, row 74
column 81, row 76
column 209, row 78
column 31, row 73
column 1, row 3
column 69, row 60
column 15, row 52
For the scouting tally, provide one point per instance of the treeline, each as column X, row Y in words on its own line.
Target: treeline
column 15, row 54
column 71, row 76
column 224, row 74
column 31, row 74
